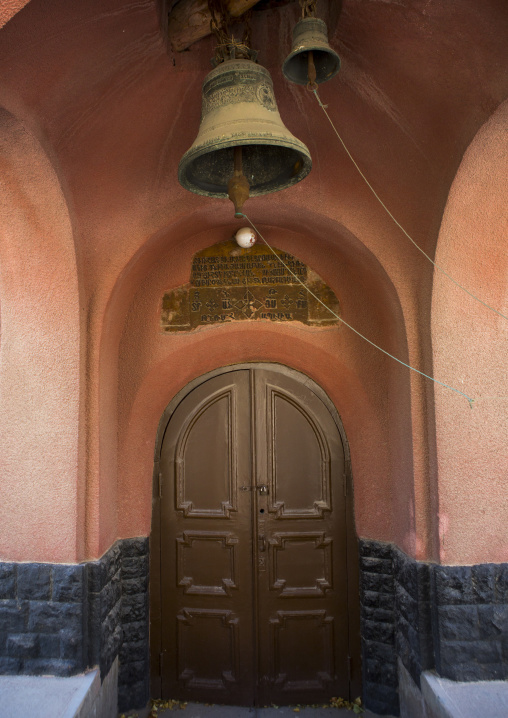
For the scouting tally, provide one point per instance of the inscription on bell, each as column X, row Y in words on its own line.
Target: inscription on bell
column 229, row 284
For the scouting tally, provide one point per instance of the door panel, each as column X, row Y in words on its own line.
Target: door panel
column 302, row 613
column 206, row 545
column 253, row 545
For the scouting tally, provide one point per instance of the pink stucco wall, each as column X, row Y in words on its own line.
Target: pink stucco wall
column 471, row 350
column 41, row 487
column 154, row 367
column 95, row 228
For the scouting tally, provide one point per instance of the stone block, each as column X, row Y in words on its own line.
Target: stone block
column 402, row 647
column 459, row 623
column 23, row 645
column 405, row 571
column 132, row 672
column 376, row 565
column 132, row 695
column 135, row 607
column 51, row 617
column 110, row 649
column 10, row 666
column 135, row 585
column 378, row 582
column 68, row 583
column 135, row 568
column 110, row 563
column 373, row 613
column 94, row 573
column 453, row 585
column 409, row 658
column 71, row 646
column 49, row 645
column 34, row 581
column 483, row 580
column 405, row 605
column 381, row 651
column 7, row 581
column 136, row 631
column 410, row 633
column 94, row 629
column 375, row 549
column 472, row 672
column 381, row 673
column 49, row 667
column 467, row 660
column 134, row 547
column 379, row 632
column 493, row 620
column 131, row 651
column 383, row 601
column 110, row 595
column 381, row 699
column 501, row 583
column 112, row 619
column 13, row 616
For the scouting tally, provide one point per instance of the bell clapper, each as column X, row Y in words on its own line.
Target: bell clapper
column 311, row 71
column 238, row 186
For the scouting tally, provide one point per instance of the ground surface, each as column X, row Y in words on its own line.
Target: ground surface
column 200, row 710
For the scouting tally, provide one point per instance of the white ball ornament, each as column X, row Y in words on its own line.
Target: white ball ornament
column 245, row 237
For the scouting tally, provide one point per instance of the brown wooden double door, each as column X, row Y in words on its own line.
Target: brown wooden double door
column 254, row 600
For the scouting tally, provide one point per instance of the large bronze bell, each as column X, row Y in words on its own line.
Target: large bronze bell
column 239, row 111
column 310, row 47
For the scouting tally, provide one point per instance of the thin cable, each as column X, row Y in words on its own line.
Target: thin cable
column 436, row 381
column 323, row 107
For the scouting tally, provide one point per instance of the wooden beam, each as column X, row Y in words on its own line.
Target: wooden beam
column 189, row 20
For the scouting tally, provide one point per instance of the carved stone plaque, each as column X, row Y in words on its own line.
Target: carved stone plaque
column 230, row 284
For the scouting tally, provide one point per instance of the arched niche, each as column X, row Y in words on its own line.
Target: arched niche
column 370, row 391
column 41, row 512
column 470, row 352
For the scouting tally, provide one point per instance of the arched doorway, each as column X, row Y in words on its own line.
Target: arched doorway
column 258, row 561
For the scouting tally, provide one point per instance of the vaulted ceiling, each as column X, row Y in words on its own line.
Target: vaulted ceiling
column 115, row 106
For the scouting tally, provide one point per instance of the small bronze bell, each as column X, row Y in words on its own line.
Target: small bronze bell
column 239, row 111
column 310, row 48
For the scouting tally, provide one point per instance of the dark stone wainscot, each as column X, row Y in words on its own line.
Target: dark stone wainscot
column 451, row 619
column 61, row 619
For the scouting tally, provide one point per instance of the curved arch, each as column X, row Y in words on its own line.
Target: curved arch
column 303, row 378
column 41, row 512
column 153, row 367
column 469, row 345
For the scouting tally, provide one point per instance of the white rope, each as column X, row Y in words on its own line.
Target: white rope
column 323, row 107
column 436, row 381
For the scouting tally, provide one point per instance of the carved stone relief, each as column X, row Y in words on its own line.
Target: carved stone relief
column 229, row 284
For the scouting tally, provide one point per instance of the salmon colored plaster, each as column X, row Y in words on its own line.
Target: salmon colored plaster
column 41, row 487
column 471, row 351
column 114, row 110
column 155, row 366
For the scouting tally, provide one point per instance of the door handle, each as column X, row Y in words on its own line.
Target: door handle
column 262, row 488
column 261, row 543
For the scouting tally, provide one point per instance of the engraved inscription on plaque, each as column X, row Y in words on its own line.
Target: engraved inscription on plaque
column 232, row 284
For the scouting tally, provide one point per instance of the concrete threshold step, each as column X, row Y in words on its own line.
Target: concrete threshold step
column 451, row 699
column 201, row 710
column 48, row 696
